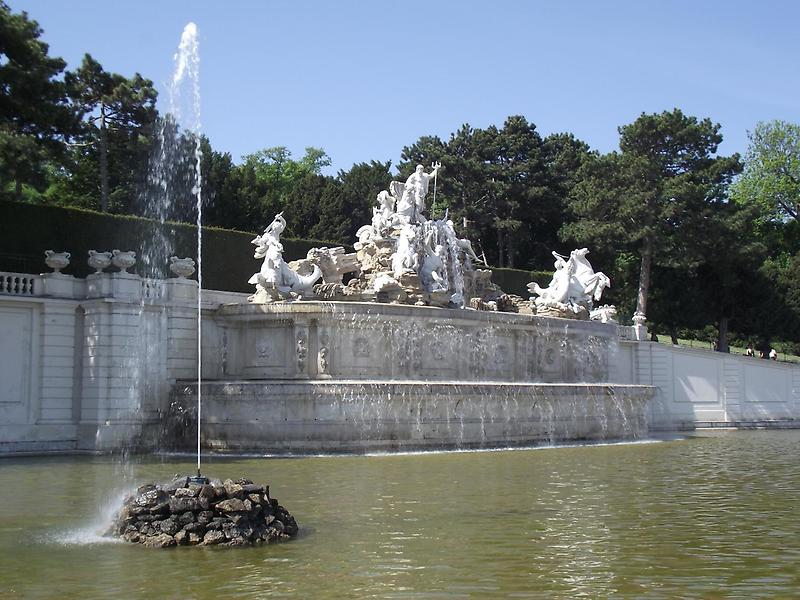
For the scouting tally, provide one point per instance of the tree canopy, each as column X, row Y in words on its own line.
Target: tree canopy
column 118, row 115
column 657, row 195
column 771, row 177
column 506, row 185
column 36, row 117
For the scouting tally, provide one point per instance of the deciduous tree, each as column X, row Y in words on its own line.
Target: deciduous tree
column 771, row 177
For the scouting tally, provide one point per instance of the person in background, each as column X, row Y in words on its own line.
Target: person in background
column 749, row 351
column 773, row 354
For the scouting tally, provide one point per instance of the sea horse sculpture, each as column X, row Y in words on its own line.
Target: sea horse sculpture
column 276, row 280
column 574, row 285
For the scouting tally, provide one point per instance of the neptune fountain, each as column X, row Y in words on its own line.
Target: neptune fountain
column 407, row 343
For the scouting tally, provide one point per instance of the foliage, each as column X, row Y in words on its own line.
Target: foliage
column 35, row 116
column 505, row 187
column 118, row 116
column 659, row 205
column 657, row 196
column 771, row 178
column 271, row 173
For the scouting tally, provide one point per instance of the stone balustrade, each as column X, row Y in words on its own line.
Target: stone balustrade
column 20, row 284
column 87, row 362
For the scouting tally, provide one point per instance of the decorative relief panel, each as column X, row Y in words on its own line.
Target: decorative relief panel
column 263, row 350
column 362, row 348
column 301, row 349
column 323, row 360
column 16, row 336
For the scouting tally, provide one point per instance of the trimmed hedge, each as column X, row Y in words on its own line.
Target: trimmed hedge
column 515, row 281
column 27, row 230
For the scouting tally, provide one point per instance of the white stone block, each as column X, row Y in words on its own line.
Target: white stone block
column 181, row 290
column 59, row 285
column 126, row 286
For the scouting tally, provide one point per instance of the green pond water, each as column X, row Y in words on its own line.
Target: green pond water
column 711, row 516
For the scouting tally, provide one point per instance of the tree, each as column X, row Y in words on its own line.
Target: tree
column 347, row 205
column 35, row 116
column 221, row 205
column 118, row 113
column 270, row 174
column 328, row 208
column 657, row 195
column 304, row 204
column 771, row 177
column 505, row 186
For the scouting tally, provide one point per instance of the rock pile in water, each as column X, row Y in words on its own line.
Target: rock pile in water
column 183, row 513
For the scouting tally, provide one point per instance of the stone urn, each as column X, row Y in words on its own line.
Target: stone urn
column 182, row 267
column 123, row 260
column 56, row 260
column 99, row 260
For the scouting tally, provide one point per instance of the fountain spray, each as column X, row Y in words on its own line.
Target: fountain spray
column 187, row 71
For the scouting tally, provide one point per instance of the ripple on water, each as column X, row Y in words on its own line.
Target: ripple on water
column 703, row 517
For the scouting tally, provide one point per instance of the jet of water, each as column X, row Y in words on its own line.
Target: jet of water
column 186, row 111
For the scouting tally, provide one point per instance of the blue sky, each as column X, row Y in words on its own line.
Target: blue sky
column 363, row 79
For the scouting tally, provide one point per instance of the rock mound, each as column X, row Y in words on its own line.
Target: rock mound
column 184, row 513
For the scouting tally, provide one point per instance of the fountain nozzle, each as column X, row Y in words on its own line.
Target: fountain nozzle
column 199, row 479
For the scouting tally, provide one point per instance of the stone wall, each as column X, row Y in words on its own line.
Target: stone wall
column 362, row 416
column 388, row 342
column 89, row 364
column 702, row 388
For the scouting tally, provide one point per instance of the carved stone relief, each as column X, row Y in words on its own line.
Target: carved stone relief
column 301, row 348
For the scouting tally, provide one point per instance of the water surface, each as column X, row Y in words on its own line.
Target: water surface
column 712, row 516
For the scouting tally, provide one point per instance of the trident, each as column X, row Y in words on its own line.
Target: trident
column 436, row 166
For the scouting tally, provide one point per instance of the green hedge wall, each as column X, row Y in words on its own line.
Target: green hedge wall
column 515, row 281
column 27, row 230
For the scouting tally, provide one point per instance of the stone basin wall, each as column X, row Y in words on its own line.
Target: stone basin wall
column 230, row 513
column 360, row 341
column 355, row 377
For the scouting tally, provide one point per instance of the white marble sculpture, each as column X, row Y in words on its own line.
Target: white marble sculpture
column 410, row 204
column 401, row 256
column 382, row 215
column 604, row 314
column 465, row 246
column 276, row 280
column 432, row 273
column 405, row 258
column 573, row 289
column 333, row 262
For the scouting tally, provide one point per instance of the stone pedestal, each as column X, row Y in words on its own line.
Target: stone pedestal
column 124, row 286
column 58, row 285
column 181, row 289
